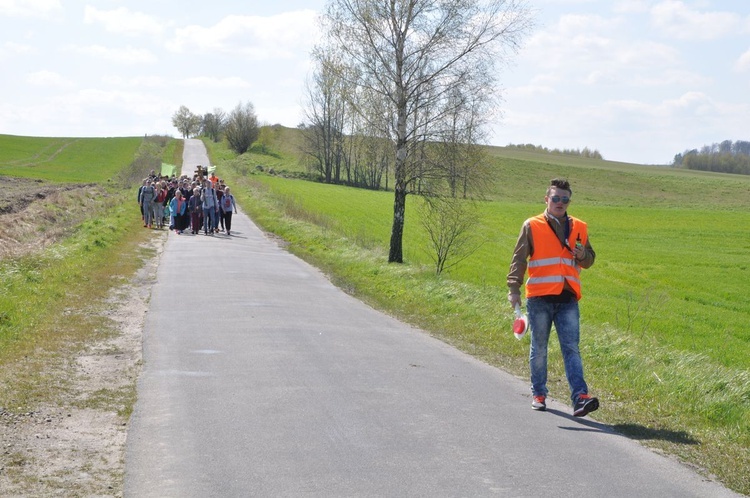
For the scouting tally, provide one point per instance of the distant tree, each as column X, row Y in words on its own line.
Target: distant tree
column 369, row 161
column 585, row 152
column 327, row 113
column 213, row 124
column 725, row 147
column 724, row 157
column 187, row 123
column 741, row 147
column 460, row 161
column 242, row 128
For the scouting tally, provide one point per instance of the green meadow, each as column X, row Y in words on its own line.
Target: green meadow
column 78, row 160
column 679, row 274
column 665, row 313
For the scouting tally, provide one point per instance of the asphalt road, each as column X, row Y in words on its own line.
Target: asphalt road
column 260, row 378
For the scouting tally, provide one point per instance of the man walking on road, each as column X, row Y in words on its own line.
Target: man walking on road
column 553, row 247
column 210, row 207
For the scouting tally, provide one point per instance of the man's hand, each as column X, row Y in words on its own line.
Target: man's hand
column 514, row 299
column 579, row 252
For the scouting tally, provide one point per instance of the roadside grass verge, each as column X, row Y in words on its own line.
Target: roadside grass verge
column 173, row 152
column 664, row 315
column 46, row 301
column 74, row 248
column 55, row 310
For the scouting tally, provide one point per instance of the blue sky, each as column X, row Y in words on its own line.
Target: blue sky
column 638, row 80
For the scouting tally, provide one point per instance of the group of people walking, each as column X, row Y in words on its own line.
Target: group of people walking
column 200, row 204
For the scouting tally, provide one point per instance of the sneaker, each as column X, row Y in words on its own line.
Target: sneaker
column 539, row 403
column 584, row 405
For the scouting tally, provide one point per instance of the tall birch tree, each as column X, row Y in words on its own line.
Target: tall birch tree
column 411, row 54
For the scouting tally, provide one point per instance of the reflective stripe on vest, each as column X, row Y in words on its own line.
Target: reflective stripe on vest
column 551, row 266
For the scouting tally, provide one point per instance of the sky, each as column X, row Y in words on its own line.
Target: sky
column 637, row 80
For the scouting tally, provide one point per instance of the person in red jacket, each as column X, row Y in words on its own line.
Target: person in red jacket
column 553, row 247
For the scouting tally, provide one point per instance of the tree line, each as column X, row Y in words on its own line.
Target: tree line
column 724, row 157
column 585, row 152
column 240, row 126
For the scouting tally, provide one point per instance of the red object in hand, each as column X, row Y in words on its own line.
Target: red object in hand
column 520, row 324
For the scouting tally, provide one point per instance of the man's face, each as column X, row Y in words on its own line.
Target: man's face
column 557, row 201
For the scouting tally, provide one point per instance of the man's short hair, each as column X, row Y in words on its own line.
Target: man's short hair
column 560, row 183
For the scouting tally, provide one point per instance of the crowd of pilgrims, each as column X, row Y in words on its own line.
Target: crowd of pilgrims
column 201, row 203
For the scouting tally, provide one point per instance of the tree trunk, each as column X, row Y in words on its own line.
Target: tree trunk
column 396, row 254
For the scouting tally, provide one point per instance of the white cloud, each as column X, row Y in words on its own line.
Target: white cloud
column 95, row 112
column 670, row 78
column 574, row 40
column 593, row 51
column 132, row 102
column 48, row 79
column 631, row 6
column 123, row 21
column 135, row 82
column 10, row 49
column 677, row 20
column 528, row 91
column 743, row 63
column 30, row 8
column 215, row 83
column 259, row 38
column 646, row 54
column 128, row 55
column 689, row 103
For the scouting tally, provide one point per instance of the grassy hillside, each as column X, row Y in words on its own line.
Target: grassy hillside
column 77, row 160
column 665, row 314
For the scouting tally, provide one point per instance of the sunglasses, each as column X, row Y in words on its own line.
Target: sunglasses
column 557, row 198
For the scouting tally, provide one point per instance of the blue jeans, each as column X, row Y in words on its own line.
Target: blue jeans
column 565, row 316
column 209, row 219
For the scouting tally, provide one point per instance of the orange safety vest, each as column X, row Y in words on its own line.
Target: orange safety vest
column 552, row 264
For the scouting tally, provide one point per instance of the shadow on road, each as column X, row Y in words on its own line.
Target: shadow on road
column 632, row 431
column 635, row 431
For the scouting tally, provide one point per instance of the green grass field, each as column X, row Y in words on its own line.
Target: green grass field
column 645, row 279
column 664, row 315
column 73, row 160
